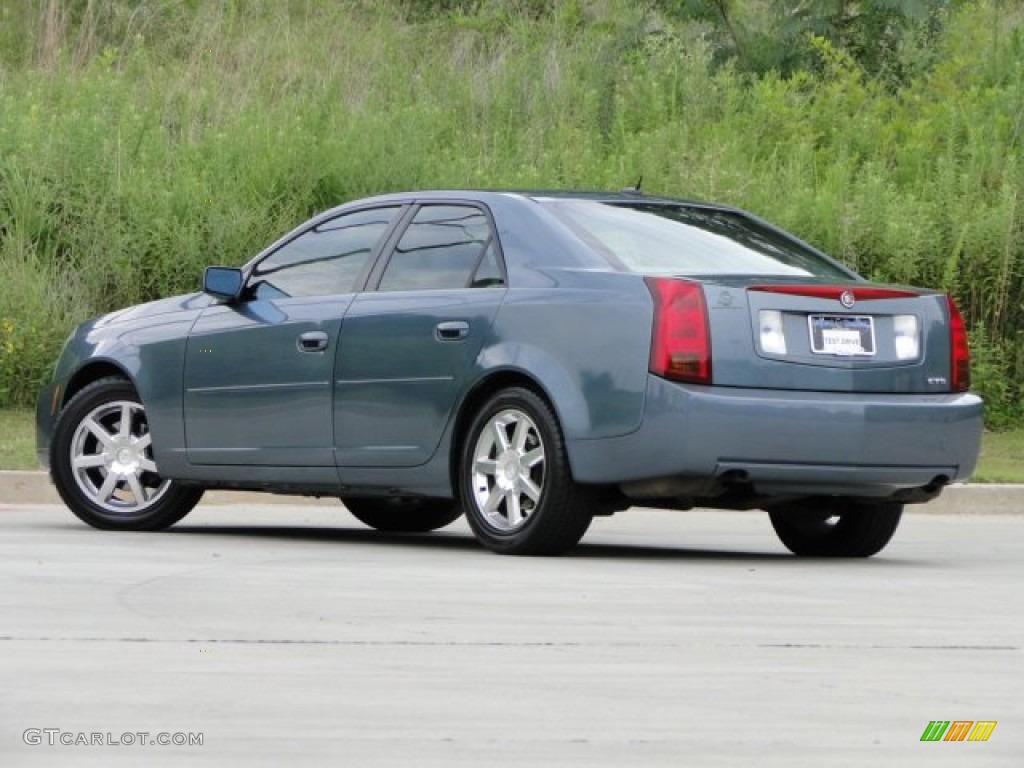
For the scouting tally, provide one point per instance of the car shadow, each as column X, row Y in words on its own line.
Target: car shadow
column 641, row 552
column 451, row 541
column 312, row 533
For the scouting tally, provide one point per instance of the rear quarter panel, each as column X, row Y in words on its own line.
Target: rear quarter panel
column 586, row 340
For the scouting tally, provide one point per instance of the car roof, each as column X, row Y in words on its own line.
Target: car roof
column 494, row 198
column 484, row 195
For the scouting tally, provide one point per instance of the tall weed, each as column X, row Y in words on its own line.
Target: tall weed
column 145, row 141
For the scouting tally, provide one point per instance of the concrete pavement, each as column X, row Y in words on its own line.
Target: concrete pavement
column 293, row 635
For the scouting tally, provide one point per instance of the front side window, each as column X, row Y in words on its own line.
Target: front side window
column 445, row 246
column 667, row 239
column 325, row 260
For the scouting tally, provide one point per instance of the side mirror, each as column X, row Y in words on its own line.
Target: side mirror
column 223, row 282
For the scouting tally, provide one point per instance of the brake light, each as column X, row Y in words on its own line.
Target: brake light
column 960, row 354
column 836, row 291
column 681, row 339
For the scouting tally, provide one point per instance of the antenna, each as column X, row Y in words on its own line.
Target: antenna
column 636, row 188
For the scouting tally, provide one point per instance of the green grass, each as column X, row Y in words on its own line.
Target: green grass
column 1002, row 453
column 17, row 439
column 1002, row 458
column 141, row 145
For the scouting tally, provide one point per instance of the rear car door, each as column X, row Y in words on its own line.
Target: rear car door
column 407, row 346
column 258, row 372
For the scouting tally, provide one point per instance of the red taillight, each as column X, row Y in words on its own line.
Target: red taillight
column 681, row 339
column 960, row 355
column 835, row 291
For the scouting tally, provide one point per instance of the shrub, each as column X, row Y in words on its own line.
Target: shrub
column 178, row 134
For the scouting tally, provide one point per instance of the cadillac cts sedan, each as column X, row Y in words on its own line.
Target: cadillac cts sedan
column 530, row 360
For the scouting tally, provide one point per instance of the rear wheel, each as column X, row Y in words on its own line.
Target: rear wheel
column 404, row 515
column 101, row 461
column 515, row 482
column 836, row 527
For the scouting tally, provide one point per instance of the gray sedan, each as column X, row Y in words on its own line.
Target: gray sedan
column 531, row 360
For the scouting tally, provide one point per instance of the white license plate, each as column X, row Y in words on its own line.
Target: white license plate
column 842, row 335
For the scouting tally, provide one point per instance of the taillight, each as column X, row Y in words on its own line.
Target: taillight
column 681, row 339
column 960, row 355
column 836, row 291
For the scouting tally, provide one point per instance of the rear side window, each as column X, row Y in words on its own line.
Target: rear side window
column 667, row 239
column 489, row 272
column 445, row 246
column 325, row 260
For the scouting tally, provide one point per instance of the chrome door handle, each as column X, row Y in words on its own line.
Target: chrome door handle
column 452, row 330
column 313, row 341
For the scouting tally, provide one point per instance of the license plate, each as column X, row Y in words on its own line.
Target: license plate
column 842, row 335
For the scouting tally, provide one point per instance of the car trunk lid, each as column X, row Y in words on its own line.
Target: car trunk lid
column 842, row 337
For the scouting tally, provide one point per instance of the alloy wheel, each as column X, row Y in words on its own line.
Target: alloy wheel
column 112, row 458
column 508, row 470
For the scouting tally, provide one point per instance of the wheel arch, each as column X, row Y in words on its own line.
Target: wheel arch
column 92, row 371
column 480, row 393
column 158, row 393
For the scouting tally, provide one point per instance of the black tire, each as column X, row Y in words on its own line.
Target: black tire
column 404, row 514
column 519, row 524
column 836, row 527
column 103, row 405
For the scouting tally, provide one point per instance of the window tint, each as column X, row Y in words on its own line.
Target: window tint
column 488, row 273
column 667, row 239
column 441, row 248
column 325, row 260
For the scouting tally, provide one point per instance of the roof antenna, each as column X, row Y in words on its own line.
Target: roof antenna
column 637, row 187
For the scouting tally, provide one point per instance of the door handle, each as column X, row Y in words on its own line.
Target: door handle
column 452, row 330
column 313, row 341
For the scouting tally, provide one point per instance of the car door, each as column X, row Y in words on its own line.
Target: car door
column 407, row 346
column 258, row 371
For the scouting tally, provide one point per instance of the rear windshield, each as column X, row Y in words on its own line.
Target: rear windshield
column 667, row 239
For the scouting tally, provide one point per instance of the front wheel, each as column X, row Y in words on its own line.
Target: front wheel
column 837, row 527
column 515, row 482
column 404, row 515
column 101, row 461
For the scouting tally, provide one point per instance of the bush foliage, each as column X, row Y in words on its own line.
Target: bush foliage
column 141, row 141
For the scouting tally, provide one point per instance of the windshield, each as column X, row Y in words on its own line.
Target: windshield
column 670, row 239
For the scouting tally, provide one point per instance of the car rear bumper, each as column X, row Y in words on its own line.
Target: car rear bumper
column 786, row 442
